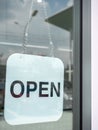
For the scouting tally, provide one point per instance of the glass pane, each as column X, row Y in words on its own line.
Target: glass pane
column 38, row 27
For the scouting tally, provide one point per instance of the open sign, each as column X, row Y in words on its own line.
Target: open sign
column 34, row 89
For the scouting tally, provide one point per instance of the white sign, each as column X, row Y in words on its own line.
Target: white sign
column 34, row 89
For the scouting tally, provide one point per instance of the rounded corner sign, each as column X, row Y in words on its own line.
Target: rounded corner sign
column 34, row 89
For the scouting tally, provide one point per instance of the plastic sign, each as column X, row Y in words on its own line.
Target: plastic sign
column 34, row 89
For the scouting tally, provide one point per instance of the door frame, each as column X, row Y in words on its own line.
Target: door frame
column 82, row 65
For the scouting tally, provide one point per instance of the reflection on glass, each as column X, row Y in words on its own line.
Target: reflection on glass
column 47, row 33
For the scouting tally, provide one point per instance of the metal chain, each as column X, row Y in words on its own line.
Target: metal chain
column 26, row 29
column 49, row 31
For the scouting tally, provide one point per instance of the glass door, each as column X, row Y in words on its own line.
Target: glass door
column 40, row 28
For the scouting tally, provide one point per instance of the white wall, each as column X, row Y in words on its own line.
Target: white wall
column 94, row 58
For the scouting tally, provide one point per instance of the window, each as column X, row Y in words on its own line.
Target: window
column 38, row 27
